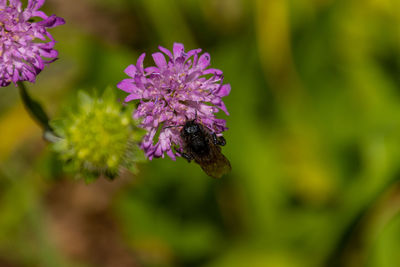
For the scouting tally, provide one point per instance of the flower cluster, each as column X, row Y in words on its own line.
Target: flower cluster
column 175, row 90
column 25, row 46
column 98, row 137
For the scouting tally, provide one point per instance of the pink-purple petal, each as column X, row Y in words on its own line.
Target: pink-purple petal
column 139, row 63
column 127, row 85
column 171, row 154
column 130, row 70
column 166, row 51
column 39, row 14
column 212, row 71
column 178, row 50
column 26, row 46
column 224, row 90
column 193, row 52
column 159, row 59
column 132, row 96
column 150, row 70
column 51, row 22
column 35, row 4
column 204, row 61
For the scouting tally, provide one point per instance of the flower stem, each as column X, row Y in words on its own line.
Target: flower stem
column 37, row 112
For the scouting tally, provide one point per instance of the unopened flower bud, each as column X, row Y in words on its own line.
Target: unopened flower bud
column 98, row 137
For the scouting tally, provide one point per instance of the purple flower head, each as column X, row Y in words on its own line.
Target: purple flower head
column 176, row 89
column 25, row 45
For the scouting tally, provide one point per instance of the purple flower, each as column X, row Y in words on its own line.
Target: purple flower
column 25, row 46
column 172, row 92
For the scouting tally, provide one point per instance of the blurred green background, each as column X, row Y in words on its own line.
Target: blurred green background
column 314, row 140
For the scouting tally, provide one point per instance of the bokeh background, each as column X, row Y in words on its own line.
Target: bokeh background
column 314, row 141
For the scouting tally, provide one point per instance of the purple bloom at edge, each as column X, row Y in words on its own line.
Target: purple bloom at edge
column 25, row 45
column 175, row 90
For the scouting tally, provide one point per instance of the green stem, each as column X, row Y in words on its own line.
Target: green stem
column 37, row 112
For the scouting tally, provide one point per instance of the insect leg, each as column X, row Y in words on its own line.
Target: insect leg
column 214, row 139
column 187, row 156
column 221, row 141
column 218, row 140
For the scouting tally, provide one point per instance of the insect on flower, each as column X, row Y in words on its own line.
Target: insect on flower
column 179, row 87
column 204, row 147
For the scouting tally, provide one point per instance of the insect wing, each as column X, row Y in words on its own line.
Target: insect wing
column 217, row 165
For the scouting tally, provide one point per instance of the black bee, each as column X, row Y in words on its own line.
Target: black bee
column 204, row 147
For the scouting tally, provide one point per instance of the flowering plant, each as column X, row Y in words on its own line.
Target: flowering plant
column 98, row 136
column 25, row 45
column 175, row 90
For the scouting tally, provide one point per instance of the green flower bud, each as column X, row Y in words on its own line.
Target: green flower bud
column 98, row 136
